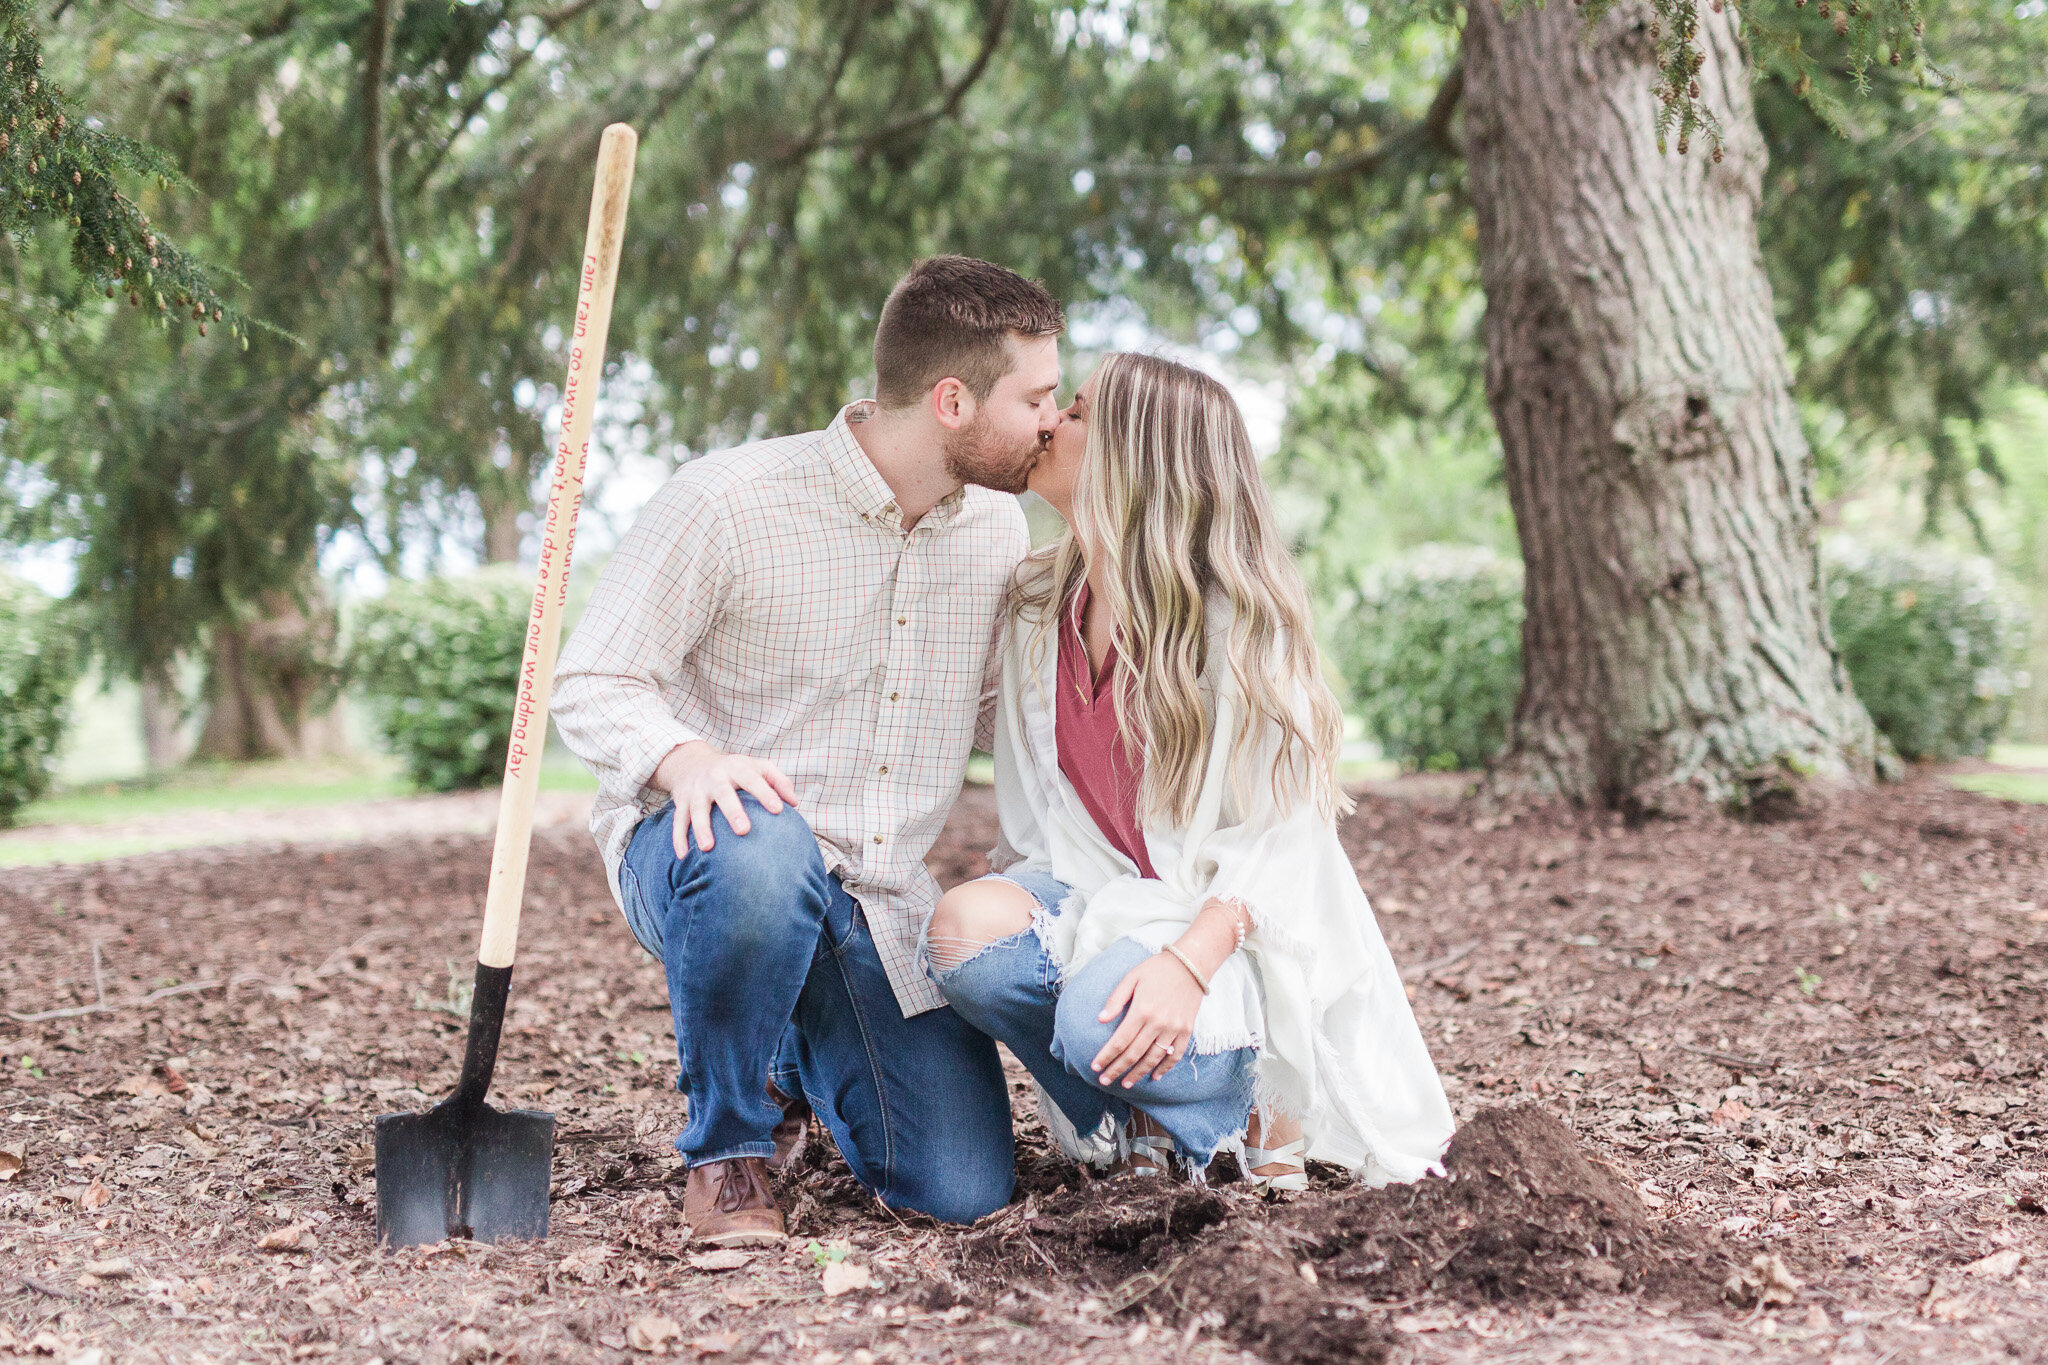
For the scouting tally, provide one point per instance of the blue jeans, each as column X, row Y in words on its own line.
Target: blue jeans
column 1010, row 989
column 772, row 974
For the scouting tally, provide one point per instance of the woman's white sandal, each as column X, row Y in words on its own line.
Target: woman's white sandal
column 1143, row 1148
column 1294, row 1154
column 1145, row 1154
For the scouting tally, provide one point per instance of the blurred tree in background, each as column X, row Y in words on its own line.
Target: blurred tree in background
column 400, row 184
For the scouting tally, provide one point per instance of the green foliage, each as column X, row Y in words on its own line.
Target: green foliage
column 439, row 661
column 1867, row 34
column 58, row 166
column 196, row 475
column 1932, row 642
column 1432, row 652
column 1359, row 479
column 1909, row 257
column 39, row 665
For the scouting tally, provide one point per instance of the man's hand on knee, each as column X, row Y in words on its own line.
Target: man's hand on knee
column 700, row 777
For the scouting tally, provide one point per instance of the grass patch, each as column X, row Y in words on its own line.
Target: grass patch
column 2005, row 786
column 218, row 787
column 36, row 852
column 2021, row 755
column 203, row 788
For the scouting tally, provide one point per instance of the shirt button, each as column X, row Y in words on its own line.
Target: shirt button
column 894, row 695
column 903, row 620
column 885, row 767
column 878, row 838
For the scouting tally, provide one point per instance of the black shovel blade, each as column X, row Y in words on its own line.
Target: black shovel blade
column 463, row 1170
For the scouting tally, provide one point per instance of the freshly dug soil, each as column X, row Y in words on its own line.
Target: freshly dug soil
column 1523, row 1215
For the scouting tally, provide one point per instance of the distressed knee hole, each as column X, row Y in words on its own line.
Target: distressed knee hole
column 971, row 917
column 946, row 953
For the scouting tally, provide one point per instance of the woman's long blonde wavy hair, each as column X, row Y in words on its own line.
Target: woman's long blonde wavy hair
column 1169, row 490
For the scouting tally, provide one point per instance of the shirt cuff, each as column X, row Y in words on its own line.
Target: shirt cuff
column 645, row 747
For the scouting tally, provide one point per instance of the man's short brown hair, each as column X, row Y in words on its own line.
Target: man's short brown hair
column 951, row 317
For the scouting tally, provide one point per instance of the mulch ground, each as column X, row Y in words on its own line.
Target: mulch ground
column 1726, row 1092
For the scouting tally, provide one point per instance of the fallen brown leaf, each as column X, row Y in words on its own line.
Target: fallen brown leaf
column 716, row 1344
column 13, row 1157
column 327, row 1300
column 725, row 1259
column 1999, row 1265
column 652, row 1333
column 1765, row 1281
column 197, row 1145
column 296, row 1237
column 1731, row 1113
column 842, row 1277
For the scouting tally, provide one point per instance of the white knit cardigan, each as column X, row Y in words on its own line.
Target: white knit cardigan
column 1315, row 989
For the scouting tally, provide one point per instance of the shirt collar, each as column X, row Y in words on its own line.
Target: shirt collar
column 862, row 485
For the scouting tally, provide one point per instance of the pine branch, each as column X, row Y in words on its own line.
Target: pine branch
column 1872, row 32
column 54, row 166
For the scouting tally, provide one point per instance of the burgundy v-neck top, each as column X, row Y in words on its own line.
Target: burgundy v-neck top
column 1105, row 772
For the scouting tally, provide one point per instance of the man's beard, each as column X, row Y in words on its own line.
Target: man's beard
column 976, row 454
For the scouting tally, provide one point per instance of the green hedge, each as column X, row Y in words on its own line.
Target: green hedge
column 40, row 661
column 1934, row 645
column 438, row 661
column 1432, row 652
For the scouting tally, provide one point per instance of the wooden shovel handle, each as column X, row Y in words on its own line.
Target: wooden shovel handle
column 598, row 278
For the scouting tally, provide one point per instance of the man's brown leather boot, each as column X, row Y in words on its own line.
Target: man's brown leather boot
column 728, row 1204
column 790, row 1133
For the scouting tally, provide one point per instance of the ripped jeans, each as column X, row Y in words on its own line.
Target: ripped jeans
column 1010, row 989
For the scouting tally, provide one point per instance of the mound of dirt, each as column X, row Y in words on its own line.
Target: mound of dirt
column 1524, row 1216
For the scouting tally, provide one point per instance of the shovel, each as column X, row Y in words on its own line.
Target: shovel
column 462, row 1168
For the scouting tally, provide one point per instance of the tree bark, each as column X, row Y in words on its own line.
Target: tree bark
column 1676, row 650
column 379, row 34
column 163, row 713
column 501, row 526
column 268, row 687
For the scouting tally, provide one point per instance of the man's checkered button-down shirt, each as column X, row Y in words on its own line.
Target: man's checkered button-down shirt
column 769, row 602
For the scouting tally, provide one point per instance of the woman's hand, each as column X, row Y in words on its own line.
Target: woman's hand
column 1162, row 997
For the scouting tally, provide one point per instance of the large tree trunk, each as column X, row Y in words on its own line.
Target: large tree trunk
column 269, row 687
column 1676, row 650
column 501, row 525
column 163, row 714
